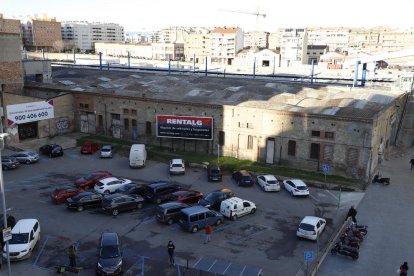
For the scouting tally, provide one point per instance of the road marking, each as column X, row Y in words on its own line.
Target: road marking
column 241, row 273
column 224, row 272
column 215, row 261
column 197, row 262
column 41, row 251
column 314, row 198
column 334, row 196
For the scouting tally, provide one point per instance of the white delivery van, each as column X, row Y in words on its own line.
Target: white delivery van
column 137, row 156
column 235, row 207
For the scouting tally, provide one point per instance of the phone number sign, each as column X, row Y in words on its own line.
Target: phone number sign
column 29, row 112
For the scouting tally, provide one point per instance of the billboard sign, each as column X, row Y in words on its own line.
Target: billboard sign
column 185, row 127
column 29, row 112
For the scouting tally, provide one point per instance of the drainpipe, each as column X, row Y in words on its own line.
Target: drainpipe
column 356, row 73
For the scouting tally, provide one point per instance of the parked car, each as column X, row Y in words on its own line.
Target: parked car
column 26, row 157
column 89, row 181
column 243, row 178
column 197, row 217
column 133, row 189
column 11, row 222
column 110, row 184
column 60, row 194
column 84, row 200
column 137, row 156
column 214, row 173
column 311, row 227
column 106, row 151
column 116, row 203
column 235, row 207
column 51, row 150
column 25, row 236
column 177, row 166
column 268, row 183
column 109, row 255
column 161, row 191
column 296, row 187
column 213, row 199
column 9, row 162
column 170, row 212
column 89, row 147
column 187, row 196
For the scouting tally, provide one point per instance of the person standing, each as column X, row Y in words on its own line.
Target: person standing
column 72, row 255
column 412, row 163
column 171, row 248
column 208, row 230
column 352, row 213
column 404, row 269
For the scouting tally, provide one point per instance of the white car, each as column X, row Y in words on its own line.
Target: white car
column 235, row 207
column 110, row 184
column 268, row 183
column 177, row 166
column 296, row 187
column 311, row 227
column 106, row 151
column 25, row 236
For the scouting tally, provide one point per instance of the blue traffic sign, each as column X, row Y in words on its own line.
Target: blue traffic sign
column 325, row 168
column 308, row 256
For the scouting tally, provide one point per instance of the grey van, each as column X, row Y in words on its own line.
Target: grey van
column 197, row 217
column 170, row 212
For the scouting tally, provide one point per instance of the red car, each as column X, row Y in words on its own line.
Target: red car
column 89, row 147
column 187, row 196
column 91, row 179
column 59, row 195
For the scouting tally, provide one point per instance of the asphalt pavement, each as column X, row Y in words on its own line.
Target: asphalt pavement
column 388, row 211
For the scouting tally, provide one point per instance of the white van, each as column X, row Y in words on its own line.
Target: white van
column 25, row 236
column 235, row 207
column 137, row 156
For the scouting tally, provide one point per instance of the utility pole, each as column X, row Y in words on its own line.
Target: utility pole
column 3, row 197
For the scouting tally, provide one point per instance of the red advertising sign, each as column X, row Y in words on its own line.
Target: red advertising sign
column 185, row 127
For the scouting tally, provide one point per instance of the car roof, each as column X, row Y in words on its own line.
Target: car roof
column 177, row 161
column 269, row 177
column 311, row 220
column 194, row 209
column 114, row 196
column 244, row 172
column 297, row 182
column 160, row 183
column 109, row 238
column 25, row 152
column 234, row 199
column 224, row 190
column 172, row 204
column 106, row 147
column 24, row 226
column 108, row 179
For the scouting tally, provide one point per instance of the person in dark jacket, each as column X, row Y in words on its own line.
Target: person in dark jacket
column 404, row 269
column 412, row 163
column 352, row 213
column 171, row 248
column 72, row 255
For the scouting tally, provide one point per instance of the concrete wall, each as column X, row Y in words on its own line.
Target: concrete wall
column 36, row 68
column 11, row 76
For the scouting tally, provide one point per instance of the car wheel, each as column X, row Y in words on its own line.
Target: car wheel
column 194, row 229
column 253, row 211
column 218, row 222
column 27, row 162
column 115, row 212
column 5, row 168
column 234, row 217
column 170, row 221
column 291, row 193
column 107, row 192
column 50, row 155
column 158, row 201
column 139, row 206
column 80, row 208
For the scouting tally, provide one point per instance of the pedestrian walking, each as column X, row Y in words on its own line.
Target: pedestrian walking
column 352, row 213
column 171, row 248
column 403, row 269
column 412, row 163
column 72, row 255
column 208, row 230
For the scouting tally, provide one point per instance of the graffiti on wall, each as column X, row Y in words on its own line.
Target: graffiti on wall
column 63, row 125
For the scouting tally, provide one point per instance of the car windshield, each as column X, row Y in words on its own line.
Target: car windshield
column 105, row 150
column 31, row 153
column 271, row 182
column 19, row 238
column 302, row 188
column 247, row 178
column 177, row 165
column 211, row 197
column 110, row 251
column 215, row 171
column 89, row 177
column 306, row 227
column 124, row 188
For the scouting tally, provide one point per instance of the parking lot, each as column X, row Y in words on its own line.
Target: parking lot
column 264, row 242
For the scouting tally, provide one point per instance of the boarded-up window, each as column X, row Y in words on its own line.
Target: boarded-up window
column 221, row 138
column 292, row 147
column 126, row 124
column 327, row 152
column 249, row 142
column 314, row 151
column 352, row 156
column 148, row 128
column 316, row 133
column 329, row 135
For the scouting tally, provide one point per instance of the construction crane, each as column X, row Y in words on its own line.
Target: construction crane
column 257, row 14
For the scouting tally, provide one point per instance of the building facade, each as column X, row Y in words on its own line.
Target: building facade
column 143, row 51
column 293, row 49
column 256, row 39
column 41, row 33
column 314, row 53
column 225, row 44
column 197, row 47
column 337, row 39
column 167, row 51
column 11, row 26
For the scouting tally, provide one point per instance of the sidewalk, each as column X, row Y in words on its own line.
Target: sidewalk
column 389, row 213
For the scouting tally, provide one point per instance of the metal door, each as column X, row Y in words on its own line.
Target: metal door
column 116, row 128
column 270, row 151
column 84, row 123
column 91, row 123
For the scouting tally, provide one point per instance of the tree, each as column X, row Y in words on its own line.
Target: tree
column 58, row 46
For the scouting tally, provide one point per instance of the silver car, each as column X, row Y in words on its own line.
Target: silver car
column 27, row 157
column 106, row 151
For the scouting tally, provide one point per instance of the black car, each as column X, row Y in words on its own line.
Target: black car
column 243, row 178
column 158, row 192
column 9, row 162
column 133, row 189
column 213, row 199
column 117, row 203
column 11, row 222
column 84, row 200
column 52, row 150
column 109, row 255
column 214, row 173
column 170, row 212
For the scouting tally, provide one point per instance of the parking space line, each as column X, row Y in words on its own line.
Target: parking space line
column 241, row 273
column 197, row 262
column 334, row 196
column 224, row 272
column 215, row 261
column 148, row 220
column 41, row 251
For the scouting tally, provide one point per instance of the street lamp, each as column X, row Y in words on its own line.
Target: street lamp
column 3, row 199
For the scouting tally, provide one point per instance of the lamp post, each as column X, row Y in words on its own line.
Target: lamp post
column 3, row 199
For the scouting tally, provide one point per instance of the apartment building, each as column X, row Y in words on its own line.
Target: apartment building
column 167, row 51
column 84, row 35
column 274, row 39
column 41, row 33
column 314, row 53
column 226, row 42
column 11, row 26
column 256, row 39
column 337, row 39
column 198, row 46
column 121, row 49
column 136, row 38
column 293, row 49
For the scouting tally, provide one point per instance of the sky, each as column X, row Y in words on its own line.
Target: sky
column 150, row 15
